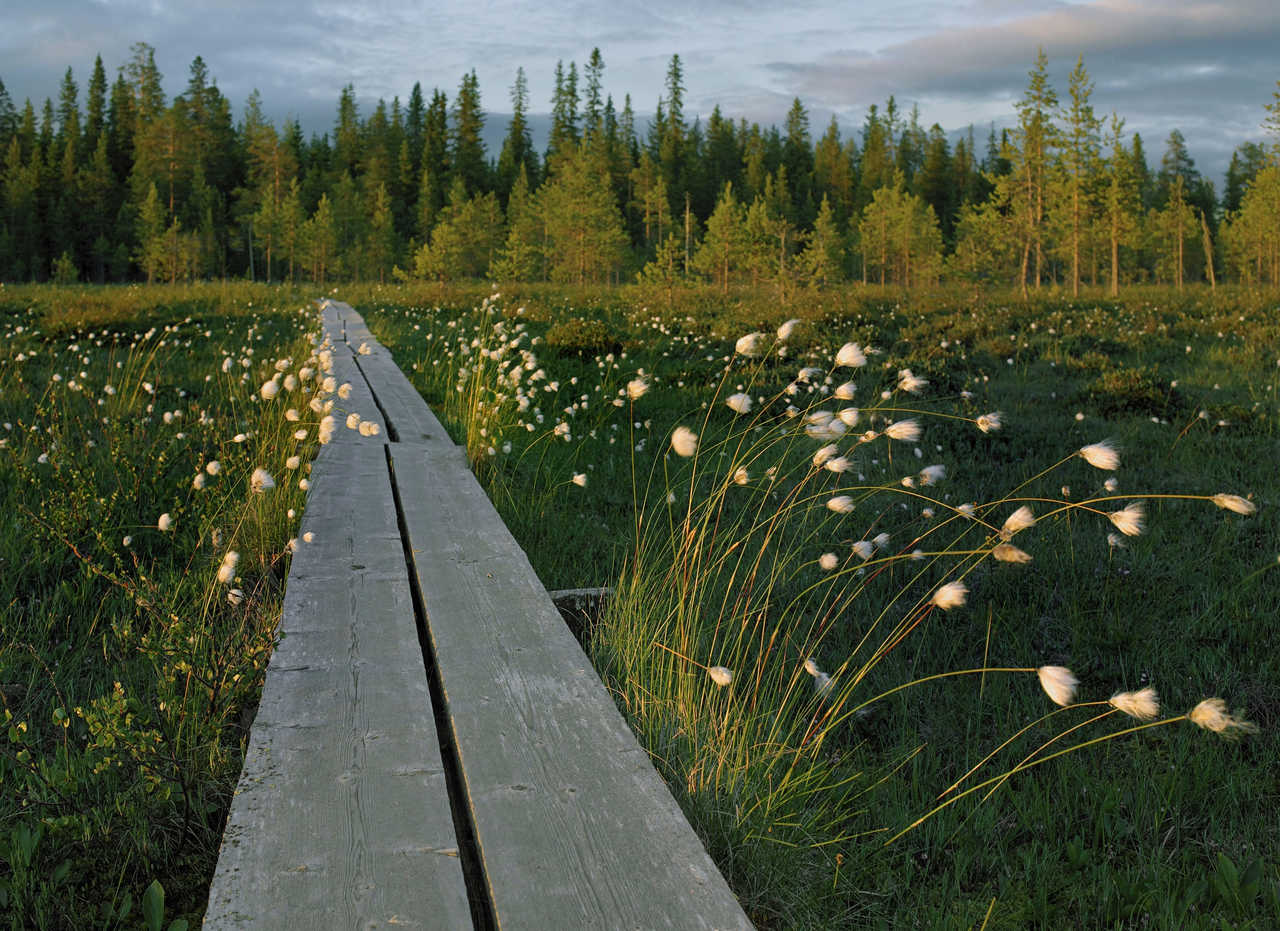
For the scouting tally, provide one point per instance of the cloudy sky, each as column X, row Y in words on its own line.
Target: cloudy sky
column 1206, row 67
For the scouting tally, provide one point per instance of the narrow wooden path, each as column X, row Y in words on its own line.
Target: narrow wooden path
column 433, row 748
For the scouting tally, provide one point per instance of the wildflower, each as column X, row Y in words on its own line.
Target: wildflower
column 1020, row 519
column 684, row 441
column 741, row 476
column 1212, row 715
column 269, row 389
column 822, row 684
column 344, row 390
column 353, row 421
column 838, row 464
column 240, row 438
column 1143, row 704
column 235, row 596
column 1115, row 540
column 213, row 467
column 926, row 513
column 828, row 561
column 327, row 426
column 785, row 331
column 261, row 481
column 369, row 428
column 308, row 537
column 1111, row 484
column 988, row 422
column 636, row 388
column 749, row 345
column 580, row 479
column 1007, row 552
column 1102, row 455
column 881, row 540
column 849, row 416
column 227, row 571
column 864, row 549
column 1234, row 503
column 165, row 523
column 198, row 482
column 809, row 373
column 822, row 455
column 909, row 382
column 841, row 504
column 1058, row 683
column 811, row 666
column 907, row 431
column 720, row 675
column 1129, row 520
column 292, row 415
column 127, row 541
column 931, row 475
column 830, row 429
column 851, row 355
column 845, row 392
column 739, row 403
column 304, row 484
column 951, row 595
column 968, row 510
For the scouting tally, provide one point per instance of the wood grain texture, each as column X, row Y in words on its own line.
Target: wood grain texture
column 341, row 817
column 575, row 827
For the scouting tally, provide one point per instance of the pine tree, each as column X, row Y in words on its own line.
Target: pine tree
column 1078, row 155
column 564, row 115
column 1030, row 157
column 466, row 137
column 592, row 109
column 320, row 239
column 585, row 240
column 380, row 241
column 822, row 260
column 1122, row 200
column 68, row 113
column 95, row 119
column 517, row 149
column 521, row 257
column 723, row 249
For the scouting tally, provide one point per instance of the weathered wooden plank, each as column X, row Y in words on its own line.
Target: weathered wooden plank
column 575, row 827
column 341, row 816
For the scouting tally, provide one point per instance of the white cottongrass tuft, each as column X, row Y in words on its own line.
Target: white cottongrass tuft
column 684, row 441
column 293, row 462
column 165, row 523
column 906, row 431
column 828, row 561
column 1102, row 455
column 198, row 482
column 1129, row 520
column 1143, row 704
column 261, row 481
column 785, row 331
column 344, row 390
column 353, row 421
column 849, row 416
column 741, row 476
column 269, row 389
column 213, row 467
column 841, row 504
column 1020, row 519
column 846, row 391
column 227, row 571
column 822, row 455
column 327, row 425
column 1058, row 683
column 1116, row 541
column 720, row 675
column 864, row 549
column 369, row 428
column 851, row 355
column 988, row 422
column 838, row 464
column 235, row 596
column 931, row 475
column 750, row 345
column 909, row 382
column 1007, row 552
column 739, row 403
column 951, row 595
column 1234, row 503
column 1212, row 715
column 580, row 479
column 636, row 388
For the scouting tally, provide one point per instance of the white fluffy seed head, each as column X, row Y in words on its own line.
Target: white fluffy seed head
column 1212, row 715
column 1143, row 704
column 739, row 403
column 720, row 675
column 750, row 345
column 851, row 355
column 1129, row 520
column 951, row 595
column 1101, row 455
column 989, row 422
column 1058, row 683
column 1234, row 503
column 261, row 481
column 684, row 441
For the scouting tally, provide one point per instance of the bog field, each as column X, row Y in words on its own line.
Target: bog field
column 944, row 609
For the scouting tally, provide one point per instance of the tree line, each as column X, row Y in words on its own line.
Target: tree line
column 137, row 186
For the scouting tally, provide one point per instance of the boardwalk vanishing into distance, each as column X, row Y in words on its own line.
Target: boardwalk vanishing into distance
column 433, row 749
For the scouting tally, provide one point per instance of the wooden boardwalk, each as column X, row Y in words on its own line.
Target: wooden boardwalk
column 433, row 748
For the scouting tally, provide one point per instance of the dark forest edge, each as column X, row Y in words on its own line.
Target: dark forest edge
column 139, row 187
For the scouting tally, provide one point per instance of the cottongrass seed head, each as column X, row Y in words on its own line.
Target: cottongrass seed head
column 785, row 331
column 1058, row 683
column 1129, row 520
column 684, row 441
column 905, row 431
column 1234, row 503
column 720, row 675
column 1212, row 715
column 1101, row 455
column 636, row 388
column 951, row 595
column 739, row 403
column 989, row 422
column 851, row 355
column 1007, row 552
column 1019, row 520
column 261, row 481
column 840, row 504
column 750, row 345
column 1143, row 704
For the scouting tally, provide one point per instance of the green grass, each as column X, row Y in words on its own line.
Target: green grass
column 1170, row 826
column 128, row 675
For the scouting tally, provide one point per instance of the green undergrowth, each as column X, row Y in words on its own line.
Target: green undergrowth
column 796, row 788
column 131, row 423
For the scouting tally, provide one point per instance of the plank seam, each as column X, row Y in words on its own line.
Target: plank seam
column 479, row 894
column 393, row 435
